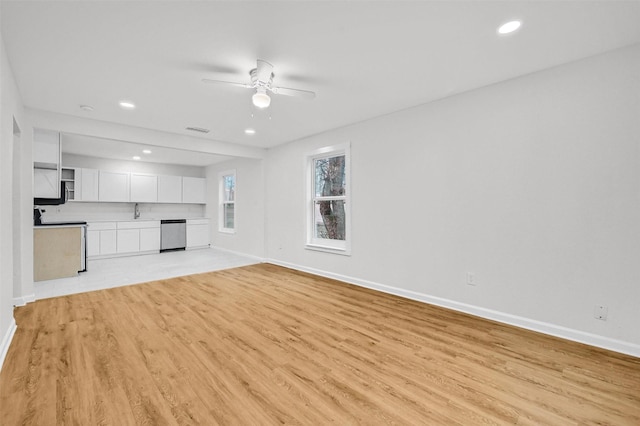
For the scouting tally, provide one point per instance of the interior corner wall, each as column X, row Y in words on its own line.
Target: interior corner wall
column 249, row 207
column 10, row 108
column 532, row 185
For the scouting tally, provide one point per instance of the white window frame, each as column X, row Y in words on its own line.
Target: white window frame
column 324, row 244
column 222, row 202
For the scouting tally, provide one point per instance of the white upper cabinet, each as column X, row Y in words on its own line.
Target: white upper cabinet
column 87, row 190
column 46, row 148
column 194, row 190
column 144, row 188
column 113, row 186
column 46, row 164
column 169, row 189
column 128, row 187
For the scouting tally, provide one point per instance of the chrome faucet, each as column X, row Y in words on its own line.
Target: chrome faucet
column 136, row 211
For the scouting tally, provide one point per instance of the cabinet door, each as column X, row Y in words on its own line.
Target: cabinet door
column 46, row 147
column 197, row 236
column 93, row 243
column 46, row 183
column 87, row 189
column 113, row 186
column 128, row 240
column 194, row 190
column 150, row 239
column 108, row 242
column 170, row 189
column 144, row 188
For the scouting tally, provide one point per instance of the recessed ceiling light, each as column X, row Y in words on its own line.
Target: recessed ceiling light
column 509, row 27
column 86, row 108
column 250, row 131
column 127, row 105
column 136, row 157
column 146, row 151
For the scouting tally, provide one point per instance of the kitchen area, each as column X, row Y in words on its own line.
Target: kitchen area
column 92, row 207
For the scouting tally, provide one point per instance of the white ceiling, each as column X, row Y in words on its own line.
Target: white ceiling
column 362, row 58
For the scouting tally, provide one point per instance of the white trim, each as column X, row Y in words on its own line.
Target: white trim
column 319, row 244
column 6, row 341
column 250, row 256
column 603, row 342
column 327, row 249
column 23, row 300
column 222, row 202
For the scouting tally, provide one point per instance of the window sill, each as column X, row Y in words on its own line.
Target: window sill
column 328, row 249
column 227, row 231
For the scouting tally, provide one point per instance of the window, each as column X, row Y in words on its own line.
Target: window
column 227, row 212
column 328, row 202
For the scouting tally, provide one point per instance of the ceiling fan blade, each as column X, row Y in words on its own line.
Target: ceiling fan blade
column 264, row 71
column 230, row 83
column 305, row 94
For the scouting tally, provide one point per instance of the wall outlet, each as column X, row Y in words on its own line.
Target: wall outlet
column 471, row 278
column 600, row 312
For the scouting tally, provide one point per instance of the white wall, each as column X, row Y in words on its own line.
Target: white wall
column 249, row 220
column 532, row 184
column 15, row 232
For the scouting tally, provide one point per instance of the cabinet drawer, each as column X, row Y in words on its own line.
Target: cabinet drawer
column 139, row 224
column 101, row 226
column 197, row 221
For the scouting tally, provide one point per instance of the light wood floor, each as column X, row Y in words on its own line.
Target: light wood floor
column 262, row 345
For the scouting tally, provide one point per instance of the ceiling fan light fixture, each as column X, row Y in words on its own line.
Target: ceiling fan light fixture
column 260, row 98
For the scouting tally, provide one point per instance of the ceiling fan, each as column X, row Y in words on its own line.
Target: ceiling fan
column 262, row 81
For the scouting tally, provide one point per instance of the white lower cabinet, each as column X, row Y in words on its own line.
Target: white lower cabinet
column 101, row 238
column 150, row 239
column 123, row 238
column 93, row 243
column 108, row 242
column 128, row 240
column 197, row 233
column 139, row 236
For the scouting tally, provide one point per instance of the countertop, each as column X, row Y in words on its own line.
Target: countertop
column 60, row 224
column 146, row 219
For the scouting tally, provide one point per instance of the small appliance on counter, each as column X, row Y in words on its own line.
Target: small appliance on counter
column 37, row 216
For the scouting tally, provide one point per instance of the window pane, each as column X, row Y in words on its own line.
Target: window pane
column 329, row 220
column 228, row 212
column 329, row 176
column 229, row 183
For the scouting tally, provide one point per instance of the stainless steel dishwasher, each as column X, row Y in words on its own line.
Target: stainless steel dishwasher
column 173, row 234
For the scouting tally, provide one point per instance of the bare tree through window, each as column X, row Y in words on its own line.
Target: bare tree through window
column 330, row 184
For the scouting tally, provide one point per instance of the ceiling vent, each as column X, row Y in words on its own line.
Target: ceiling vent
column 198, row 129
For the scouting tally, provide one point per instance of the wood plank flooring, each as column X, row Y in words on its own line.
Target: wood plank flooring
column 263, row 345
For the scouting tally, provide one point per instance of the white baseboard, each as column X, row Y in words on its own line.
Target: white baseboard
column 526, row 323
column 6, row 341
column 250, row 256
column 21, row 301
